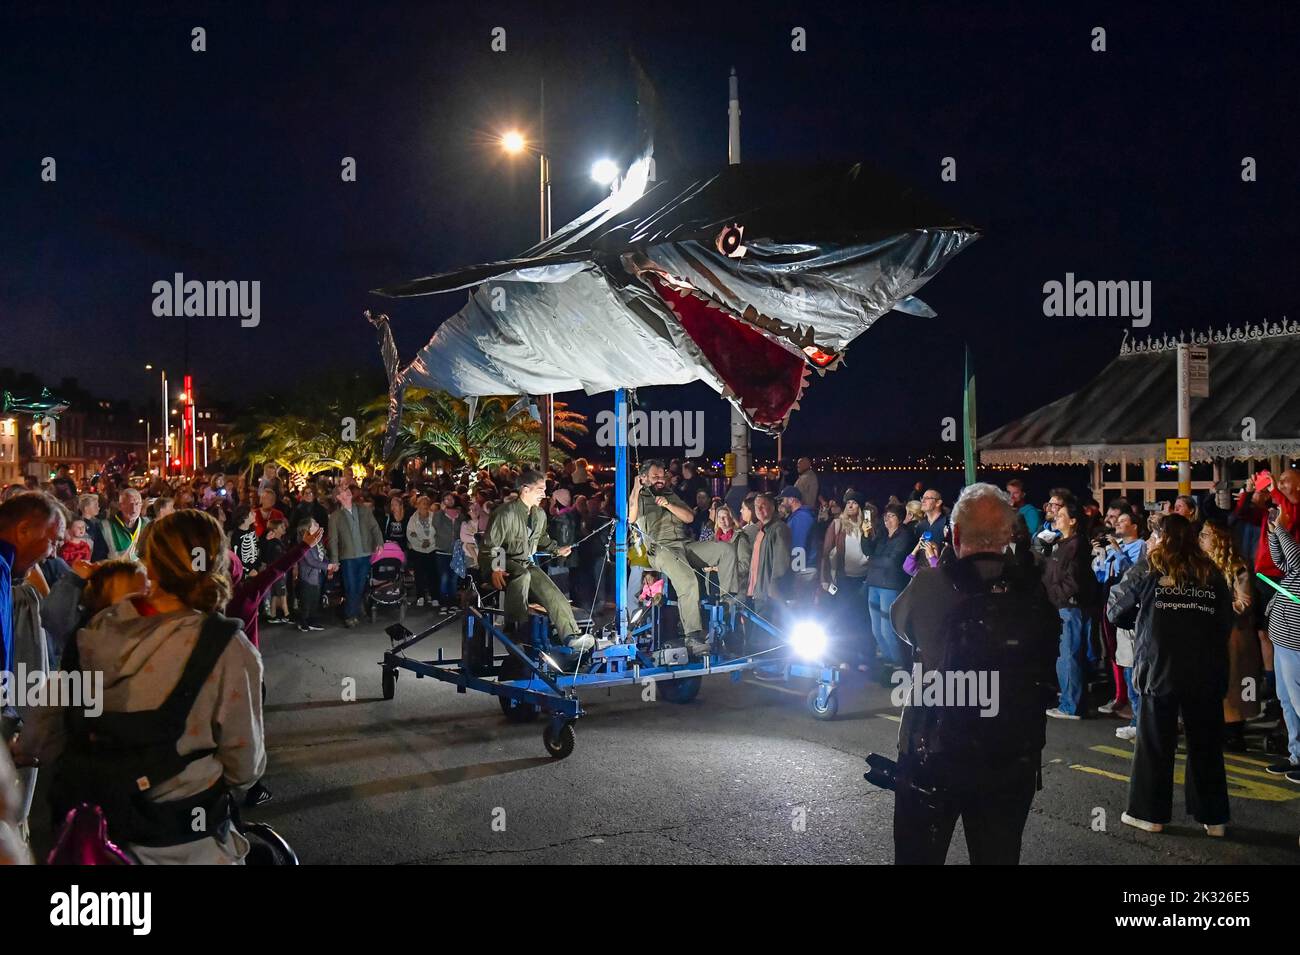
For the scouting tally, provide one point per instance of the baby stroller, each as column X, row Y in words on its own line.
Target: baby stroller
column 83, row 840
column 387, row 586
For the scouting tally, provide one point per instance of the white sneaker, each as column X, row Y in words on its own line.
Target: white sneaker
column 1141, row 823
column 1218, row 831
column 1126, row 732
column 1108, row 708
column 1056, row 714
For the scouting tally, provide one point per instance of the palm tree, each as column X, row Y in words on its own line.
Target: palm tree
column 436, row 425
column 324, row 427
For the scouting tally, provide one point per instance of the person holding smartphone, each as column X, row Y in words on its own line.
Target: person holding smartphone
column 925, row 552
column 845, row 551
column 1252, row 509
column 1284, row 637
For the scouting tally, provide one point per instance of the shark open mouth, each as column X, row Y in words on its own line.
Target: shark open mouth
column 764, row 377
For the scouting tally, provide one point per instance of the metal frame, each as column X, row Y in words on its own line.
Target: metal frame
column 548, row 689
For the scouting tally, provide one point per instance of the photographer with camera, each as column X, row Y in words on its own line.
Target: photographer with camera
column 983, row 617
column 1117, row 548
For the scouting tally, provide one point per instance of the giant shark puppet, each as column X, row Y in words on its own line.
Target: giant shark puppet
column 747, row 278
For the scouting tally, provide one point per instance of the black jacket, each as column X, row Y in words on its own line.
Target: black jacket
column 1180, row 633
column 885, row 568
column 984, row 614
column 563, row 527
column 1068, row 576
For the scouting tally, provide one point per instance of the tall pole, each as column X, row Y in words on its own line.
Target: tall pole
column 1184, row 414
column 166, row 429
column 620, row 503
column 739, row 427
column 547, row 414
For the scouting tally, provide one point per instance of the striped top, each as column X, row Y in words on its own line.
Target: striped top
column 1284, row 617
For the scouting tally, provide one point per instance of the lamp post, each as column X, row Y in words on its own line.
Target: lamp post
column 148, row 444
column 166, row 424
column 514, row 143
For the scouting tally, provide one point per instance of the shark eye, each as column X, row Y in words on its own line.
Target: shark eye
column 729, row 240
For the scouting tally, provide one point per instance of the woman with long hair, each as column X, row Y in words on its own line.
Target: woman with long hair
column 888, row 547
column 746, row 530
column 181, row 727
column 393, row 523
column 1245, row 662
column 1180, row 608
column 1072, row 588
column 843, row 578
column 723, row 526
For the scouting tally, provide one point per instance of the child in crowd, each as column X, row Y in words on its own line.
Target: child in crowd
column 243, row 540
column 311, row 575
column 77, row 546
column 113, row 581
column 277, row 607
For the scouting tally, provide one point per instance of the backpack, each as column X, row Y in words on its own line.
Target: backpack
column 1004, row 626
column 112, row 760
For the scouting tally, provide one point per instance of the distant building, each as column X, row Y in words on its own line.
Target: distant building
column 1118, row 422
column 39, row 431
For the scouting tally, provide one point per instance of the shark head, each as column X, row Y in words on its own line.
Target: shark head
column 750, row 278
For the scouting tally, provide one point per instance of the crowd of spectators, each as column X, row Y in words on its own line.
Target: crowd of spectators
column 113, row 572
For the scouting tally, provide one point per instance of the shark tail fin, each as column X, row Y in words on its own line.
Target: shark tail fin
column 914, row 306
column 396, row 385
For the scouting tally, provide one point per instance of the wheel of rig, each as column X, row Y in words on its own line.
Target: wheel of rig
column 518, row 712
column 826, row 710
column 389, row 682
column 559, row 744
column 681, row 691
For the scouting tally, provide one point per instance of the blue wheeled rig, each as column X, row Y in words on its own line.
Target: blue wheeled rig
column 534, row 676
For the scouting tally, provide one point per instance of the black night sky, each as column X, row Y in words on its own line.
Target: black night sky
column 1122, row 165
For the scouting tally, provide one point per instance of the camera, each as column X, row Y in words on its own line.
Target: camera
column 883, row 773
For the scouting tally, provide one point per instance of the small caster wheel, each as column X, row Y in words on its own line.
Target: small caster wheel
column 680, row 691
column 559, row 745
column 518, row 712
column 824, row 710
column 389, row 683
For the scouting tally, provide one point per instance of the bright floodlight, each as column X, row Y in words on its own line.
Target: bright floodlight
column 808, row 639
column 513, row 141
column 604, row 171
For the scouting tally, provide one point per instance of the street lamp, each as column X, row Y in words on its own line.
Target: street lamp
column 605, row 172
column 514, row 143
column 165, row 426
column 148, row 443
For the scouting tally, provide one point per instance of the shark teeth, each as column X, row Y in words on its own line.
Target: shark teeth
column 799, row 337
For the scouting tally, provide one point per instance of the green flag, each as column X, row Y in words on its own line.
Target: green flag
column 968, row 431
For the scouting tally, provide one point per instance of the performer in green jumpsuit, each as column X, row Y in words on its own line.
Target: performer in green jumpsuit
column 515, row 533
column 663, row 517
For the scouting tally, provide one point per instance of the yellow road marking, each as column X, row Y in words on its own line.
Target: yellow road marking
column 1238, row 785
column 1098, row 772
column 1239, row 770
column 1246, row 759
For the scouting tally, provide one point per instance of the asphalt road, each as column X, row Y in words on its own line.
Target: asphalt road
column 743, row 774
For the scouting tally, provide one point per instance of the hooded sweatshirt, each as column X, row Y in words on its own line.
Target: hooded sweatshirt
column 141, row 657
